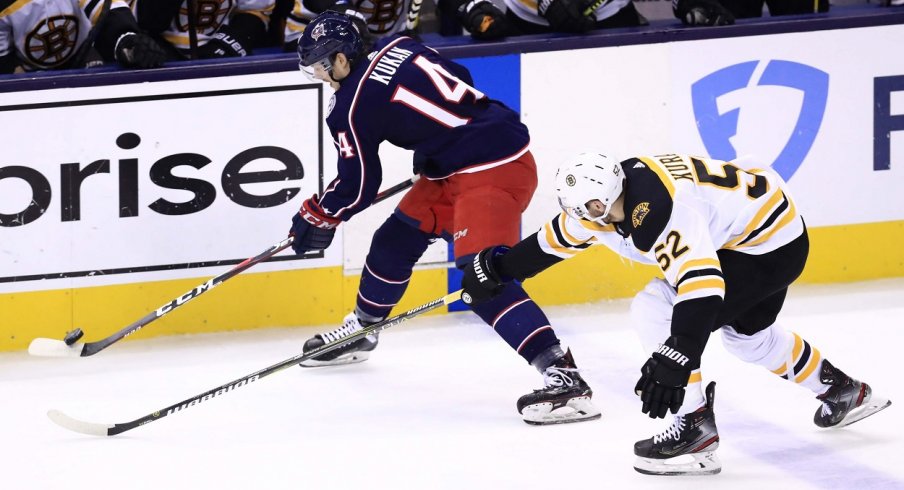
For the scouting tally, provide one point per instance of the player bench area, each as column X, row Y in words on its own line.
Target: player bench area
column 659, row 31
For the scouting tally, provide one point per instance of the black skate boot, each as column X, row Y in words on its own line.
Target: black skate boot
column 846, row 401
column 686, row 448
column 564, row 399
column 356, row 351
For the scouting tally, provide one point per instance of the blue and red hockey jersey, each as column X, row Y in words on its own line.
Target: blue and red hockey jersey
column 407, row 94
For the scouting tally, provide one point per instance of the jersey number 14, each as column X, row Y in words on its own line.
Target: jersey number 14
column 447, row 85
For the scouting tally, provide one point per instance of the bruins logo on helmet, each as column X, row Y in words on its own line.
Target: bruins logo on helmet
column 570, row 180
column 640, row 212
column 52, row 42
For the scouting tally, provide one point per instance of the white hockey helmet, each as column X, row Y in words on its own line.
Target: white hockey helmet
column 586, row 177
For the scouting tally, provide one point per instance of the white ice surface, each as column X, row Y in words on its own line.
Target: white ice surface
column 434, row 407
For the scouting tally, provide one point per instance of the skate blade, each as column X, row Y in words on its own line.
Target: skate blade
column 706, row 463
column 873, row 405
column 575, row 410
column 350, row 358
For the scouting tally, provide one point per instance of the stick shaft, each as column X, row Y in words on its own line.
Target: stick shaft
column 92, row 348
column 245, row 380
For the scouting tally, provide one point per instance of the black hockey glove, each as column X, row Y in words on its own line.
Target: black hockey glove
column 702, row 12
column 312, row 228
column 567, row 15
column 223, row 44
column 483, row 20
column 136, row 50
column 664, row 376
column 481, row 281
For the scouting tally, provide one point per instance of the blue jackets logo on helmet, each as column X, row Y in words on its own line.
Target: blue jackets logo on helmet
column 318, row 31
column 716, row 129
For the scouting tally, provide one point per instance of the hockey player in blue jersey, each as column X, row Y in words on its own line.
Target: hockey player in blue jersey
column 477, row 177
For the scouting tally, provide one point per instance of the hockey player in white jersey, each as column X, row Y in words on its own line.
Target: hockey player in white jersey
column 729, row 242
column 485, row 20
column 58, row 34
column 222, row 28
column 376, row 19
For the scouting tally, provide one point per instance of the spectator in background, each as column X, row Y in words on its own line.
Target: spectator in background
column 724, row 12
column 222, row 28
column 58, row 34
column 277, row 27
column 485, row 21
column 374, row 18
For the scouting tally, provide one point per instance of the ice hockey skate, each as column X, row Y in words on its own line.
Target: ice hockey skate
column 564, row 398
column 686, row 448
column 356, row 351
column 846, row 401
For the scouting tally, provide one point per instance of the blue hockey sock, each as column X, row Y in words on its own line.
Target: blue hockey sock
column 518, row 320
column 395, row 248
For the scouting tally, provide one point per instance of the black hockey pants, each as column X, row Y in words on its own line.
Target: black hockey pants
column 756, row 285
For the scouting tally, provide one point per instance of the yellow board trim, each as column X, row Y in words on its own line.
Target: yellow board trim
column 247, row 301
column 276, row 299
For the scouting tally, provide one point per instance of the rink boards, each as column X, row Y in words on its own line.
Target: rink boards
column 116, row 199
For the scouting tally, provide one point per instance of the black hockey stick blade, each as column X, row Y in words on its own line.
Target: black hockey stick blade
column 95, row 429
column 44, row 347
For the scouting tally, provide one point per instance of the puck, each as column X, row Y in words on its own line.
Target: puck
column 73, row 336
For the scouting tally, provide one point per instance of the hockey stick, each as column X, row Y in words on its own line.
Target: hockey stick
column 69, row 347
column 192, row 29
column 82, row 54
column 593, row 6
column 93, row 429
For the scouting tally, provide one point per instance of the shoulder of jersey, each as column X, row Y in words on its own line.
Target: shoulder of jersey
column 4, row 5
column 648, row 204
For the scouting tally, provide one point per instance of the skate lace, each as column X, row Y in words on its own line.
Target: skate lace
column 349, row 327
column 673, row 432
column 555, row 377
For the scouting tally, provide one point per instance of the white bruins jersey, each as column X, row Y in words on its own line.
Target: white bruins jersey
column 211, row 15
column 679, row 210
column 46, row 34
column 527, row 10
column 384, row 17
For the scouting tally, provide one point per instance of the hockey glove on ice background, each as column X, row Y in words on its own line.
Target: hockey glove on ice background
column 483, row 20
column 312, row 228
column 481, row 282
column 664, row 376
column 136, row 50
column 567, row 15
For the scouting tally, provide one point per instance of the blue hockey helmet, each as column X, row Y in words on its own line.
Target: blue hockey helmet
column 329, row 33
